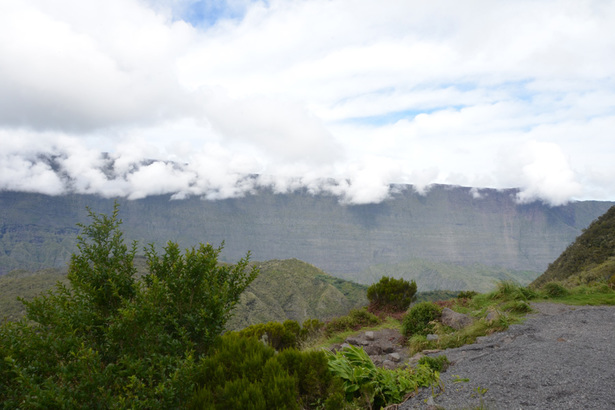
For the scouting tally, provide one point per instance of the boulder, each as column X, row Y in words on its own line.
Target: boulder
column 395, row 357
column 369, row 335
column 432, row 337
column 455, row 320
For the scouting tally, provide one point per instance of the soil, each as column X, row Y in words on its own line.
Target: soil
column 561, row 357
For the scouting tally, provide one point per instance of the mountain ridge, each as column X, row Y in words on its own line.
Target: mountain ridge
column 456, row 225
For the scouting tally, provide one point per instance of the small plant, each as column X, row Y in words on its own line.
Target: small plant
column 555, row 290
column 417, row 320
column 391, row 294
column 377, row 387
column 438, row 363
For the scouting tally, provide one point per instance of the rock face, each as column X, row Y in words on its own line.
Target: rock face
column 455, row 320
column 447, row 224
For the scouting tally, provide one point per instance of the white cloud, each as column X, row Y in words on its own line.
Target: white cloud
column 338, row 96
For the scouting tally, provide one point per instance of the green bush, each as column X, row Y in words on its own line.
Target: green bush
column 417, row 320
column 612, row 282
column 243, row 373
column 555, row 290
column 356, row 319
column 391, row 294
column 113, row 340
column 284, row 335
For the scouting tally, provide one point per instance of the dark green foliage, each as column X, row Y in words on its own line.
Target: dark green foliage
column 438, row 363
column 417, row 320
column 612, row 282
column 355, row 320
column 111, row 340
column 466, row 294
column 243, row 373
column 554, row 290
column 593, row 247
column 277, row 335
column 391, row 294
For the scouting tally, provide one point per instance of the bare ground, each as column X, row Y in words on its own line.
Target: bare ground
column 562, row 357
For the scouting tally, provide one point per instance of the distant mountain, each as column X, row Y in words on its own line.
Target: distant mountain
column 591, row 256
column 448, row 225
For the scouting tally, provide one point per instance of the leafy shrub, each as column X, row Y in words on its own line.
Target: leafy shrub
column 356, row 319
column 241, row 372
column 417, row 320
column 277, row 335
column 391, row 294
column 438, row 363
column 112, row 340
column 376, row 387
column 555, row 290
column 611, row 282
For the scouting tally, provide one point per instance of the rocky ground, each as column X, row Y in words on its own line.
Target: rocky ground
column 562, row 357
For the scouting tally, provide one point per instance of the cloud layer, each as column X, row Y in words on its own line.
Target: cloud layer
column 334, row 96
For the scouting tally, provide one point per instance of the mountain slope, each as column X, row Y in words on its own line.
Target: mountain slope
column 452, row 225
column 591, row 255
column 292, row 289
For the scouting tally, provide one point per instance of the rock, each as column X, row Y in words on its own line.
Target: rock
column 373, row 350
column 353, row 341
column 432, row 337
column 455, row 320
column 491, row 316
column 344, row 345
column 387, row 347
column 414, row 360
column 395, row 357
column 388, row 364
column 369, row 335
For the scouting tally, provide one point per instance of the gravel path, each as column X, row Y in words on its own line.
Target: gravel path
column 562, row 357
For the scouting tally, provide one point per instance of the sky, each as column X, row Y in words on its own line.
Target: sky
column 218, row 98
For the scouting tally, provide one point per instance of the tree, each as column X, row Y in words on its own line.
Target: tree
column 111, row 339
column 391, row 294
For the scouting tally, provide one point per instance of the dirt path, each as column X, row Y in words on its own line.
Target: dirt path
column 562, row 357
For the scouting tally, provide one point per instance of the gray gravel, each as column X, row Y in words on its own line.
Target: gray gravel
column 562, row 357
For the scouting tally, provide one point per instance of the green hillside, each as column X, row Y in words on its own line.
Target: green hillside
column 292, row 289
column 590, row 257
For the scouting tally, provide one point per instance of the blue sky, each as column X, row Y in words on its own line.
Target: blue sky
column 488, row 93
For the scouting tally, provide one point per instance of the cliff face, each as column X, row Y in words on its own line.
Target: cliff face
column 448, row 224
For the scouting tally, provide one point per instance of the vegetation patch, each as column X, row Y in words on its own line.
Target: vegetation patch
column 419, row 319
